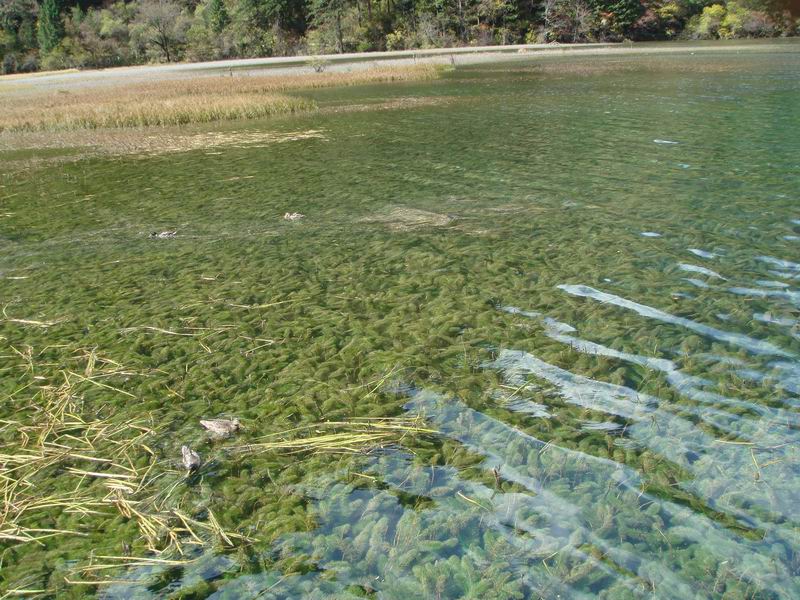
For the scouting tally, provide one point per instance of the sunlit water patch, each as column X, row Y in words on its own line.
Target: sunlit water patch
column 700, row 270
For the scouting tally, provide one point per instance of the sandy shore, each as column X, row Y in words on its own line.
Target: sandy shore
column 63, row 80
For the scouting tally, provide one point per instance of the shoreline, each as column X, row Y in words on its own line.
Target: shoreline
column 285, row 65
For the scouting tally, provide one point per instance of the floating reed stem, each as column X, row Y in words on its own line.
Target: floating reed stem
column 57, row 458
column 51, row 441
column 354, row 436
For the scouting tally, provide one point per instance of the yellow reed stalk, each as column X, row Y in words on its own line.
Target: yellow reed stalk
column 359, row 435
column 187, row 100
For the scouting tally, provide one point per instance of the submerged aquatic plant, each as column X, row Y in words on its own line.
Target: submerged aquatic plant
column 688, row 490
column 50, row 435
column 67, row 468
column 62, row 462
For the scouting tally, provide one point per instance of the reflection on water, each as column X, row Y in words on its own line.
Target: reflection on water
column 603, row 330
column 750, row 344
column 701, row 270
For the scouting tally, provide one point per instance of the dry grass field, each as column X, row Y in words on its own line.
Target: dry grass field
column 181, row 101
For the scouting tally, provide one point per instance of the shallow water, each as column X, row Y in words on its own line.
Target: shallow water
column 582, row 272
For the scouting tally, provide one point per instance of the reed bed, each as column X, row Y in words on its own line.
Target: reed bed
column 122, row 109
column 182, row 101
column 273, row 84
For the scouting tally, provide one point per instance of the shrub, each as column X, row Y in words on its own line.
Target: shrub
column 68, row 54
column 98, row 38
column 731, row 21
column 318, row 64
column 9, row 64
column 200, row 39
column 29, row 63
column 650, row 26
column 759, row 24
column 707, row 24
column 396, row 40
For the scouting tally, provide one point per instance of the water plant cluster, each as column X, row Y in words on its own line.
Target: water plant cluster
column 72, row 470
column 478, row 366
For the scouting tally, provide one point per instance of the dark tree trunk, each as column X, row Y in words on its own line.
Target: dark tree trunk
column 339, row 31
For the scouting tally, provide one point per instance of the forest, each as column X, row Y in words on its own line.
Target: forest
column 60, row 34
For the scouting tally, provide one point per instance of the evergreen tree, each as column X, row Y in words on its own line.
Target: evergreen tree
column 623, row 12
column 50, row 29
column 217, row 15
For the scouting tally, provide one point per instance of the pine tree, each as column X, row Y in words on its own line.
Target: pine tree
column 217, row 15
column 50, row 29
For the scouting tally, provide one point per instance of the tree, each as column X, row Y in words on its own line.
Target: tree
column 327, row 15
column 249, row 28
column 18, row 23
column 50, row 29
column 621, row 14
column 101, row 35
column 568, row 20
column 85, row 33
column 17, row 32
column 160, row 24
column 217, row 15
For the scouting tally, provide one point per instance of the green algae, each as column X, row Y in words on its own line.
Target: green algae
column 421, row 225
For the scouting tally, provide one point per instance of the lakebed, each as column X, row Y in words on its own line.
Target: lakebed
column 549, row 306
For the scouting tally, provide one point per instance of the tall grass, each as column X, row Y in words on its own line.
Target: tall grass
column 135, row 111
column 182, row 101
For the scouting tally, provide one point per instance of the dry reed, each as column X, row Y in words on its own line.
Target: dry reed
column 357, row 435
column 135, row 110
column 181, row 101
column 54, row 460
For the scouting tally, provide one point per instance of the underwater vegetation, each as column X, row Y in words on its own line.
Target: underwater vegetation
column 66, row 473
column 465, row 372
